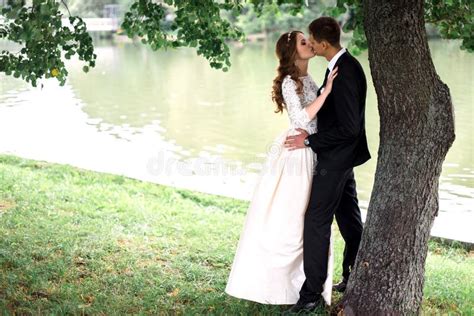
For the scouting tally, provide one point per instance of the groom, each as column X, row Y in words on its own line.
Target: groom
column 340, row 145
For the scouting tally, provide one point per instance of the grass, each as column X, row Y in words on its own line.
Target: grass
column 81, row 242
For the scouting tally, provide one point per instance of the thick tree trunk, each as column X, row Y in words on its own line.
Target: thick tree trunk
column 416, row 131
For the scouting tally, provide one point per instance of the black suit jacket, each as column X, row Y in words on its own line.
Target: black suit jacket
column 340, row 141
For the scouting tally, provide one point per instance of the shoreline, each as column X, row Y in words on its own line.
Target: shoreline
column 228, row 190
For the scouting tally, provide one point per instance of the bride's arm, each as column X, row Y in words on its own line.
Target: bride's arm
column 293, row 105
column 296, row 111
column 313, row 108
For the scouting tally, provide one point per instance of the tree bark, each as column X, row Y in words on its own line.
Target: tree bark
column 416, row 131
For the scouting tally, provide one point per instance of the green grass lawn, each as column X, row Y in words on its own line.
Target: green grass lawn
column 75, row 241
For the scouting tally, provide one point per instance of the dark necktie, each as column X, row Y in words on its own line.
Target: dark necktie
column 325, row 80
column 326, row 77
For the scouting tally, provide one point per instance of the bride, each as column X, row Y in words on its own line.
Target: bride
column 268, row 264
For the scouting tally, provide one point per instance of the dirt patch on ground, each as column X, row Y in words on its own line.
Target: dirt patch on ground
column 6, row 205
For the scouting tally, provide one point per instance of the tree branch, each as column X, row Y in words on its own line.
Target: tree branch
column 66, row 7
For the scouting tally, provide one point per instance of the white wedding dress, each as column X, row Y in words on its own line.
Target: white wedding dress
column 268, row 264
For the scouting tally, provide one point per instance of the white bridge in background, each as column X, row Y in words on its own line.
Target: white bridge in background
column 108, row 23
column 98, row 24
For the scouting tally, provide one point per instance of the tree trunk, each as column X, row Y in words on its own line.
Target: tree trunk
column 416, row 131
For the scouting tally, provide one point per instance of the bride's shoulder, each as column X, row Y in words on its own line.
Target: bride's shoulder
column 288, row 82
column 287, row 78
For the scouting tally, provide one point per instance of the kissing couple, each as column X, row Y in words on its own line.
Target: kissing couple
column 284, row 255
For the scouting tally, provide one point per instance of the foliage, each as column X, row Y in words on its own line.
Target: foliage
column 454, row 18
column 206, row 25
column 43, row 39
column 196, row 24
column 272, row 19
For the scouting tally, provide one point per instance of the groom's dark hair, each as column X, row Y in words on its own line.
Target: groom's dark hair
column 326, row 28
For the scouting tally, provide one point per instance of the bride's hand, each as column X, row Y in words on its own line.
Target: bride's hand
column 331, row 76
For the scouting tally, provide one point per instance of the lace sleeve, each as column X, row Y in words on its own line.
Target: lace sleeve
column 295, row 109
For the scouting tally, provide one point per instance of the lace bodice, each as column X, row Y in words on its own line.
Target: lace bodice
column 295, row 103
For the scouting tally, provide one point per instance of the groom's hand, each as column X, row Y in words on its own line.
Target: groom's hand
column 296, row 141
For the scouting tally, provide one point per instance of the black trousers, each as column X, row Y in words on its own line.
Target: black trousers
column 333, row 192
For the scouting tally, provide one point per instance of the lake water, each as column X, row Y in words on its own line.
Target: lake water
column 167, row 117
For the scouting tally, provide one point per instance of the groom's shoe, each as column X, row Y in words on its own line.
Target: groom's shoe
column 340, row 287
column 305, row 307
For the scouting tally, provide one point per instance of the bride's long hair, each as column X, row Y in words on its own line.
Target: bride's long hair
column 286, row 53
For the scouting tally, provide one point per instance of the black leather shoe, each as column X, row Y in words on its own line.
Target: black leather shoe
column 340, row 287
column 305, row 307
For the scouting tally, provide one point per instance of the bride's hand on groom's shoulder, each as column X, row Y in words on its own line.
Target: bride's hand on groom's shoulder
column 332, row 75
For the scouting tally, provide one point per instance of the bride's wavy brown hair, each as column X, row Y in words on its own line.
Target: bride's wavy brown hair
column 286, row 53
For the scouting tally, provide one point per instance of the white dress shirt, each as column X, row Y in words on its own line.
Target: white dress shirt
column 333, row 60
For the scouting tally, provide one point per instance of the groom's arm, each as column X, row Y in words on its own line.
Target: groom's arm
column 345, row 93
